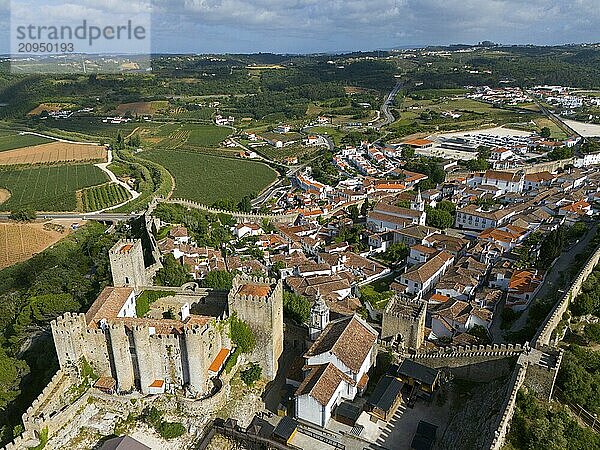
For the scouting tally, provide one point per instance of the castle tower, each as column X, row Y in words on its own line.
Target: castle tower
column 418, row 204
column 259, row 303
column 404, row 319
column 319, row 317
column 127, row 264
column 121, row 354
column 144, row 357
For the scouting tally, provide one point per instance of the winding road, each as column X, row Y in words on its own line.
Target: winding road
column 385, row 108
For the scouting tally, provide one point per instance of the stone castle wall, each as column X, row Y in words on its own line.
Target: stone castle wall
column 544, row 336
column 137, row 357
column 240, row 217
column 550, row 166
column 508, row 409
column 412, row 329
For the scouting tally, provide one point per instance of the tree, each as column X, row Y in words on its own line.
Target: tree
column 395, row 253
column 220, row 280
column 545, row 132
column 551, row 248
column 296, row 307
column 353, row 212
column 365, row 208
column 251, row 375
column 23, row 215
column 276, row 268
column 11, row 373
column 439, row 218
column 245, row 205
column 172, row 273
column 408, row 152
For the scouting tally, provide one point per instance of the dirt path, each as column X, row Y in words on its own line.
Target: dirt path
column 104, row 167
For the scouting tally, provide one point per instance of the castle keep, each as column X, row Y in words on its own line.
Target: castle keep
column 154, row 354
column 259, row 303
column 404, row 322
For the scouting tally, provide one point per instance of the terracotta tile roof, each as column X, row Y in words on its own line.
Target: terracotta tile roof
column 503, row 176
column 125, row 249
column 256, row 290
column 322, row 381
column 178, row 232
column 428, row 269
column 424, row 249
column 539, row 177
column 393, row 210
column 439, row 298
column 402, row 221
column 348, row 338
column 107, row 383
column 157, row 384
column 107, row 305
column 418, row 142
column 524, row 281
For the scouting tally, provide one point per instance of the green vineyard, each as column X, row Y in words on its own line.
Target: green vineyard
column 104, row 196
column 47, row 188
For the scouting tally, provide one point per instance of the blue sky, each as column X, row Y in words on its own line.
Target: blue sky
column 306, row 26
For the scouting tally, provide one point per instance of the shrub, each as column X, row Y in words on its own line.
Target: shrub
column 251, row 375
column 170, row 430
column 242, row 335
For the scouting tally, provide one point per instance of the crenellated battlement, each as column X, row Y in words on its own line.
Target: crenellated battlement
column 471, row 351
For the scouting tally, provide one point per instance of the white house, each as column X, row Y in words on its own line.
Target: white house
column 472, row 217
column 419, row 280
column 504, row 181
column 247, row 229
column 336, row 368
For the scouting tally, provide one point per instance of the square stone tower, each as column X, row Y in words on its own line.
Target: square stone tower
column 259, row 303
column 404, row 318
column 127, row 264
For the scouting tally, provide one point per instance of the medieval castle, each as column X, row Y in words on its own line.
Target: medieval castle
column 153, row 354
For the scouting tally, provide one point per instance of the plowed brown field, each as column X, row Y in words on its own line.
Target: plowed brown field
column 53, row 152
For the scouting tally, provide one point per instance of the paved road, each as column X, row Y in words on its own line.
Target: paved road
column 556, row 119
column 385, row 108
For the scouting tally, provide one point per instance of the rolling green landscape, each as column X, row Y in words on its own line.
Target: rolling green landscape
column 208, row 179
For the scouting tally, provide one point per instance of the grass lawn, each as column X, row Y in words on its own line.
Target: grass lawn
column 48, row 188
column 333, row 132
column 208, row 179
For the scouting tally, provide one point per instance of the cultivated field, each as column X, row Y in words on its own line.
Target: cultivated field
column 48, row 188
column 52, row 153
column 190, row 136
column 81, row 127
column 101, row 197
column 14, row 141
column 141, row 108
column 208, row 179
column 19, row 242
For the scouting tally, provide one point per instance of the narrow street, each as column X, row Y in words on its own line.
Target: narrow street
column 552, row 282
